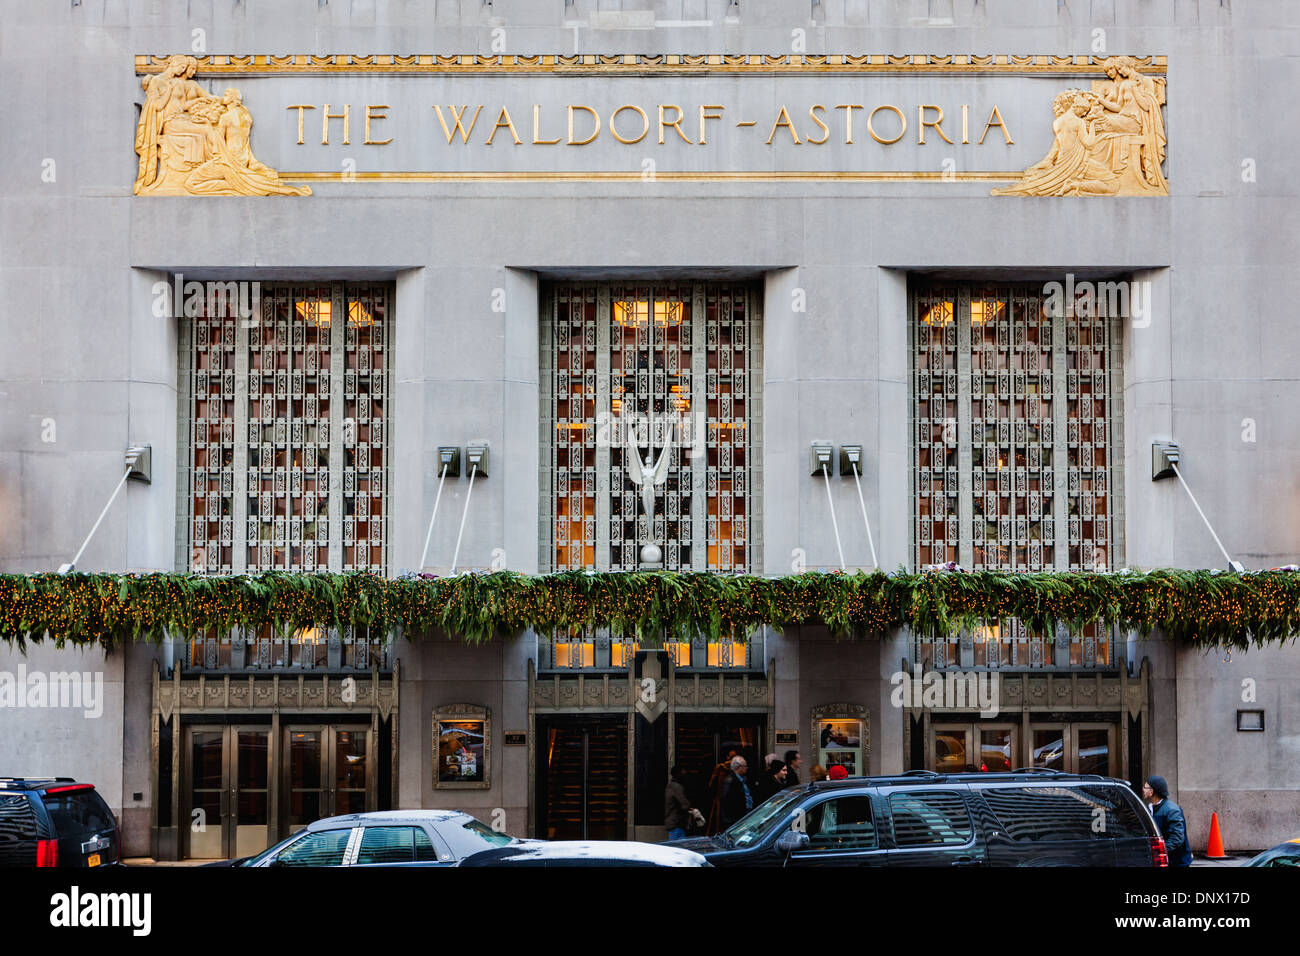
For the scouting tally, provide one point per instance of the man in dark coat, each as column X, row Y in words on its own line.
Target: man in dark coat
column 737, row 798
column 1169, row 820
column 792, row 764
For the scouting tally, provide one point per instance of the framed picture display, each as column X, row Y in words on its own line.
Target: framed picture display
column 841, row 736
column 461, row 747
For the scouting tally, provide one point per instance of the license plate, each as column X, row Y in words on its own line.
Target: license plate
column 92, row 860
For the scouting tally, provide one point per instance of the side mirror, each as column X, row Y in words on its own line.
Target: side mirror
column 791, row 840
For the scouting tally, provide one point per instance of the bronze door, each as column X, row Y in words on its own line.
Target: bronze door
column 327, row 771
column 227, row 791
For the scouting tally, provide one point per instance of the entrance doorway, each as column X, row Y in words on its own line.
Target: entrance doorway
column 326, row 772
column 227, row 791
column 1070, row 747
column 703, row 742
column 582, row 777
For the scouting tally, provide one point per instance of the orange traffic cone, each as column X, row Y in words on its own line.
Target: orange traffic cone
column 1215, row 850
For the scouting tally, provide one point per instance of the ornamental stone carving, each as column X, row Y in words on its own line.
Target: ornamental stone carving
column 1109, row 141
column 192, row 143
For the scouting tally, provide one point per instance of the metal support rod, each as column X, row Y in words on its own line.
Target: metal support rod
column 463, row 515
column 424, row 555
column 1183, row 481
column 870, row 541
column 111, row 498
column 834, row 524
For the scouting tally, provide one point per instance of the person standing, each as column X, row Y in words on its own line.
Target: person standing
column 737, row 799
column 817, row 773
column 677, row 808
column 717, row 780
column 1169, row 820
column 792, row 764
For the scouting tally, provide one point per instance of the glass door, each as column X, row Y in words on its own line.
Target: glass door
column 1049, row 751
column 227, row 796
column 981, row 747
column 206, row 799
column 1094, row 749
column 326, row 773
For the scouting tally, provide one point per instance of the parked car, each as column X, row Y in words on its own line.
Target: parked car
column 585, row 853
column 56, row 821
column 921, row 818
column 382, row 838
column 1284, row 854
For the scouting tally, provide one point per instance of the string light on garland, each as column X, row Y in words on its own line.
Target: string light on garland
column 1201, row 608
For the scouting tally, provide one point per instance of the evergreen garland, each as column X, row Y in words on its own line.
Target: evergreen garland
column 1201, row 608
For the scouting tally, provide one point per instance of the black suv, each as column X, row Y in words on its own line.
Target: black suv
column 56, row 822
column 921, row 818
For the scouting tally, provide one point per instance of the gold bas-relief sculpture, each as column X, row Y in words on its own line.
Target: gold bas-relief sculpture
column 1110, row 140
column 194, row 144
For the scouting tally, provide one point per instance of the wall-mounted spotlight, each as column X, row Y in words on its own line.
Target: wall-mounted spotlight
column 139, row 467
column 821, row 460
column 1165, row 458
column 448, row 464
column 449, row 460
column 851, row 464
column 476, row 456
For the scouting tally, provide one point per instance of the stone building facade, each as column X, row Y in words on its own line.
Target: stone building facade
column 739, row 231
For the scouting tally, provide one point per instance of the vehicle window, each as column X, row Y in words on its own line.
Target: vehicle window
column 751, row 827
column 316, row 849
column 1064, row 813
column 17, row 821
column 487, row 834
column 387, row 845
column 78, row 811
column 841, row 824
column 424, row 850
column 1285, row 860
column 929, row 818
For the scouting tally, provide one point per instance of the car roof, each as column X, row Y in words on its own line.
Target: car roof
column 929, row 777
column 560, row 850
column 38, row 783
column 389, row 816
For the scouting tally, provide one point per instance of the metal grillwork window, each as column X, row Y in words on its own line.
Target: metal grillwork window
column 1016, row 440
column 288, row 441
column 662, row 369
column 356, row 649
column 597, row 650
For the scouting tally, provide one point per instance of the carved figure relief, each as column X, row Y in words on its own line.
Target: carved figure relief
column 192, row 143
column 1109, row 141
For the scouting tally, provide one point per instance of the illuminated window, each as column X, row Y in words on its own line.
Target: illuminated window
column 667, row 370
column 575, row 654
column 294, row 475
column 727, row 654
column 1015, row 403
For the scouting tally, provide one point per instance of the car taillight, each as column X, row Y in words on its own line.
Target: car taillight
column 1159, row 856
column 47, row 852
column 75, row 786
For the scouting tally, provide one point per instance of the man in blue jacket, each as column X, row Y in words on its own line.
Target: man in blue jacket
column 1169, row 820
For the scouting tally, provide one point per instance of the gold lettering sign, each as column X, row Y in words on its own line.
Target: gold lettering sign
column 1106, row 140
column 191, row 143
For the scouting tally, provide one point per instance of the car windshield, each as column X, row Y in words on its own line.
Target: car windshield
column 754, row 825
column 270, row 851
